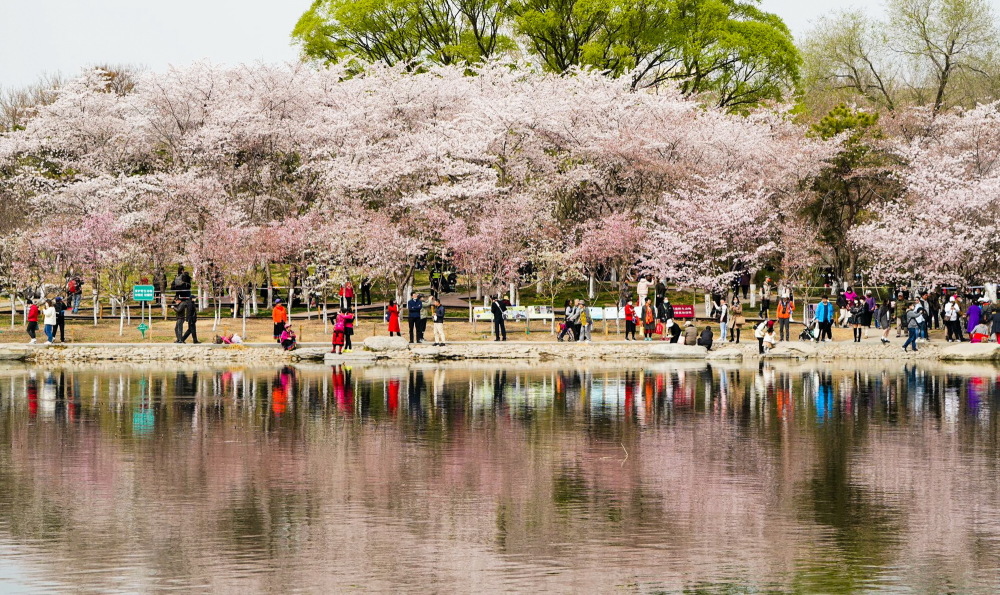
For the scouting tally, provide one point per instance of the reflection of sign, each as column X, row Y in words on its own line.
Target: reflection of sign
column 142, row 293
column 143, row 421
column 143, row 327
column 541, row 313
column 683, row 311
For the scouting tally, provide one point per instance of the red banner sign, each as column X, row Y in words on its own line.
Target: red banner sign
column 683, row 311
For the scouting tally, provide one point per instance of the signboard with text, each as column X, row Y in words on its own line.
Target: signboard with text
column 142, row 293
column 683, row 311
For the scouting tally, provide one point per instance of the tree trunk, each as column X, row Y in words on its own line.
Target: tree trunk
column 270, row 288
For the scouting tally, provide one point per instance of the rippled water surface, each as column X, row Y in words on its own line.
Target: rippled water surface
column 808, row 479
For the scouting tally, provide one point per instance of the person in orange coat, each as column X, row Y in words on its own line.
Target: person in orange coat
column 279, row 316
column 785, row 309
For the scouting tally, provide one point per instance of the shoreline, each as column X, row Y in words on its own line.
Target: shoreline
column 377, row 349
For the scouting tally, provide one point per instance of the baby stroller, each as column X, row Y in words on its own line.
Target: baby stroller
column 810, row 332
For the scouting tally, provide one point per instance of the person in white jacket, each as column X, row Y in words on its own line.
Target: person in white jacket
column 723, row 319
column 759, row 333
column 49, row 313
column 642, row 287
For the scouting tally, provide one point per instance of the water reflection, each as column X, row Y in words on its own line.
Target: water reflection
column 663, row 478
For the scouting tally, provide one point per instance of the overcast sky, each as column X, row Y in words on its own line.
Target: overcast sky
column 47, row 36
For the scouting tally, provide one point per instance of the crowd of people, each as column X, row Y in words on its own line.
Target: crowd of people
column 645, row 306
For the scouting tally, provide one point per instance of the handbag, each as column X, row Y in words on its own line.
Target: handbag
column 739, row 320
column 659, row 328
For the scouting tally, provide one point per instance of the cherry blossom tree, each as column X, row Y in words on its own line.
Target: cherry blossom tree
column 233, row 170
column 947, row 228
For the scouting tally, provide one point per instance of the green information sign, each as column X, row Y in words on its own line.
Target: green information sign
column 142, row 293
column 143, row 328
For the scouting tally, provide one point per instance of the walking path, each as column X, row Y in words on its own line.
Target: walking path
column 396, row 348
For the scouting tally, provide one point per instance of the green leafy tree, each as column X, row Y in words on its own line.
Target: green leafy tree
column 728, row 51
column 403, row 31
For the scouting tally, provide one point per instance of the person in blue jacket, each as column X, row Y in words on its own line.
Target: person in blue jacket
column 413, row 308
column 824, row 316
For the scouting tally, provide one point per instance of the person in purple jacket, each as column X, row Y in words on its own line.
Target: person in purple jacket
column 972, row 315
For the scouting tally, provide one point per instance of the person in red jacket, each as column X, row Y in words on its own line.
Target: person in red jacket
column 347, row 295
column 630, row 321
column 393, row 318
column 32, row 322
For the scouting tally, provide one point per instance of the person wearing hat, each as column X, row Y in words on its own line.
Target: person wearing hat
column 61, row 308
column 279, row 316
column 986, row 310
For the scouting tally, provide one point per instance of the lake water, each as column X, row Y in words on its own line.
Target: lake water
column 815, row 478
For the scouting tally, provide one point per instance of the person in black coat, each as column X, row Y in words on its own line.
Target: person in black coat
column 497, row 308
column 61, row 308
column 705, row 340
column 191, row 314
column 180, row 310
column 181, row 285
column 413, row 308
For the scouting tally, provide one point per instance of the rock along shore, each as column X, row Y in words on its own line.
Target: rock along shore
column 396, row 349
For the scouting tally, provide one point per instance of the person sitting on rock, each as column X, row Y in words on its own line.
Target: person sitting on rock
column 705, row 340
column 981, row 332
column 288, row 339
column 690, row 333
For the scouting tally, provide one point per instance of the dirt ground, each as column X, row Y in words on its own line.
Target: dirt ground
column 259, row 330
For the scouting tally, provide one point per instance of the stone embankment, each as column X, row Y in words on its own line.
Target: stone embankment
column 396, row 349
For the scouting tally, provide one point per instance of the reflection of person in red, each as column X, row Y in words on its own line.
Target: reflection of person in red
column 630, row 385
column 281, row 394
column 32, row 389
column 343, row 391
column 278, row 401
column 393, row 389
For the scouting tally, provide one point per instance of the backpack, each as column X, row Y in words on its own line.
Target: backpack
column 339, row 325
column 72, row 286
